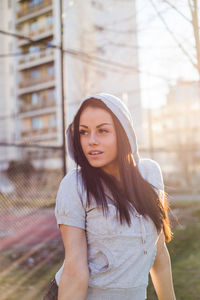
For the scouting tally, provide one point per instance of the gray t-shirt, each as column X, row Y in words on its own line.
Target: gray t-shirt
column 119, row 257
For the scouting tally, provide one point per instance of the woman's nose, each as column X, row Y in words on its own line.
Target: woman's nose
column 93, row 139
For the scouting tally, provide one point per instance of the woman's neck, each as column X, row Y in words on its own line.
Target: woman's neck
column 113, row 171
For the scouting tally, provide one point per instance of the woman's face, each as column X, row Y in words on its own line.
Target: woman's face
column 98, row 139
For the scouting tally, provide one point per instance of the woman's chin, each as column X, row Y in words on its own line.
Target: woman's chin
column 96, row 164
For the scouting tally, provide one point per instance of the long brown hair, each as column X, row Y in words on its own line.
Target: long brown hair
column 134, row 192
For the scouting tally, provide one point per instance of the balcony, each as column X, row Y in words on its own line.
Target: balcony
column 33, row 59
column 40, row 106
column 31, row 82
column 39, row 34
column 29, row 86
column 36, row 134
column 32, row 12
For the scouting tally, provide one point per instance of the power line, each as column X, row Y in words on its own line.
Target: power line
column 78, row 54
column 108, row 43
column 72, row 51
column 113, row 66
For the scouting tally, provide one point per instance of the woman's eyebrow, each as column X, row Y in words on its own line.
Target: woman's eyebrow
column 102, row 124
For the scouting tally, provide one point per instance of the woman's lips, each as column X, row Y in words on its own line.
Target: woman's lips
column 95, row 153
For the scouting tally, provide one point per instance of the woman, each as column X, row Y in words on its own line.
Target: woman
column 111, row 210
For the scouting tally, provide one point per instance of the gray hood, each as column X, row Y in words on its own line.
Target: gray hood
column 123, row 115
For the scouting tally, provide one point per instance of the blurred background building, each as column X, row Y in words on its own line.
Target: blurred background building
column 175, row 129
column 107, row 30
column 89, row 29
column 100, row 42
column 38, row 76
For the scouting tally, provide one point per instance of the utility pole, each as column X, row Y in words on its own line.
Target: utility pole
column 62, row 92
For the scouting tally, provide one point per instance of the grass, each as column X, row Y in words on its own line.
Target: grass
column 26, row 277
column 184, row 251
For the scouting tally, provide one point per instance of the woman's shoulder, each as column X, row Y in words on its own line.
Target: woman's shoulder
column 71, row 178
column 73, row 182
column 148, row 164
column 151, row 171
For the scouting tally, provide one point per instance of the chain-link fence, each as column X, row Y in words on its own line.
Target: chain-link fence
column 28, row 191
column 29, row 239
column 29, row 186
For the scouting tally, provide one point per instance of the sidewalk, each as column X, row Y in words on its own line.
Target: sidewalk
column 24, row 231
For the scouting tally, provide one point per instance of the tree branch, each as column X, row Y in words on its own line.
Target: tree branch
column 178, row 11
column 174, row 37
column 195, row 26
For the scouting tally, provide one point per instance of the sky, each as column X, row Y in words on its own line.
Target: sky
column 159, row 53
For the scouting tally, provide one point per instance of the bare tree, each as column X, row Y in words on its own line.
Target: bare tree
column 185, row 143
column 192, row 6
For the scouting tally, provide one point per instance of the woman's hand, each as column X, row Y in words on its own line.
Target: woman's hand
column 161, row 274
column 75, row 275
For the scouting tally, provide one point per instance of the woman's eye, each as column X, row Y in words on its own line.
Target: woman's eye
column 83, row 132
column 101, row 130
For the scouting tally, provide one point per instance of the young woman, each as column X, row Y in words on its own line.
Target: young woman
column 111, row 210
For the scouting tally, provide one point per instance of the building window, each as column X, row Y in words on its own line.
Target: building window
column 34, row 3
column 49, row 20
column 35, row 99
column 50, row 43
column 36, row 123
column 101, row 50
column 51, row 94
column 33, row 26
column 35, row 74
column 98, row 27
column 34, row 49
column 31, row 3
column 50, row 70
column 52, row 121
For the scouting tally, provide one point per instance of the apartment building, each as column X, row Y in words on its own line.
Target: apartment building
column 115, row 32
column 37, row 74
column 37, row 71
column 178, row 120
column 91, row 29
column 104, row 30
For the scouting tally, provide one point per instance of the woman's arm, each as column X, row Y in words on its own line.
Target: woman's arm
column 75, row 275
column 161, row 274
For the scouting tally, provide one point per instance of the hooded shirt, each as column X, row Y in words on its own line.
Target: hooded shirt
column 119, row 257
